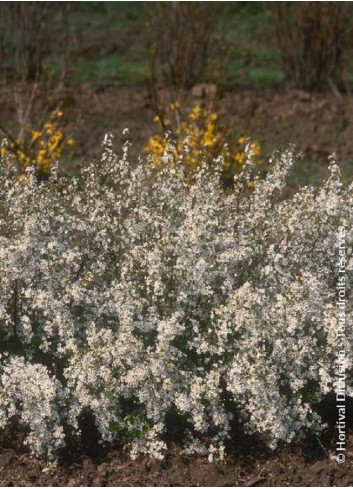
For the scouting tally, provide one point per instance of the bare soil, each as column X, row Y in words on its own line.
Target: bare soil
column 317, row 123
column 305, row 463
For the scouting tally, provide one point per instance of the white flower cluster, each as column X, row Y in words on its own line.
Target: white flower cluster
column 149, row 301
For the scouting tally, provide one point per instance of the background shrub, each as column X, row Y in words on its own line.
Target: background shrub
column 206, row 140
column 313, row 38
column 180, row 41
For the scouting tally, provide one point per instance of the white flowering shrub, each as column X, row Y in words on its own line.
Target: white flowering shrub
column 140, row 298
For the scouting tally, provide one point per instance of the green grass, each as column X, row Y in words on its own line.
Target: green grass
column 252, row 60
column 107, row 43
column 243, row 29
column 111, row 70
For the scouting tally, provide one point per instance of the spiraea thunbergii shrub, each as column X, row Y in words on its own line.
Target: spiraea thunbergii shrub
column 141, row 298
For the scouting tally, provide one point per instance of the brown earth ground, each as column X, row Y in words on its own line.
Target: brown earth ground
column 317, row 123
column 306, row 465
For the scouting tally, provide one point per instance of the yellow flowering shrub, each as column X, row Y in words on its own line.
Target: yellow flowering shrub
column 205, row 139
column 39, row 147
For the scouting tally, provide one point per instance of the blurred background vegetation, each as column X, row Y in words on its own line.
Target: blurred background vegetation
column 279, row 72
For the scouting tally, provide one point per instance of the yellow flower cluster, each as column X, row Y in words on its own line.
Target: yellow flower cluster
column 39, row 147
column 255, row 150
column 205, row 139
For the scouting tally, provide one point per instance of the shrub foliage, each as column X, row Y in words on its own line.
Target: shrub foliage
column 142, row 298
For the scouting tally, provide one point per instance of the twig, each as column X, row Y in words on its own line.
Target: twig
column 15, row 309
